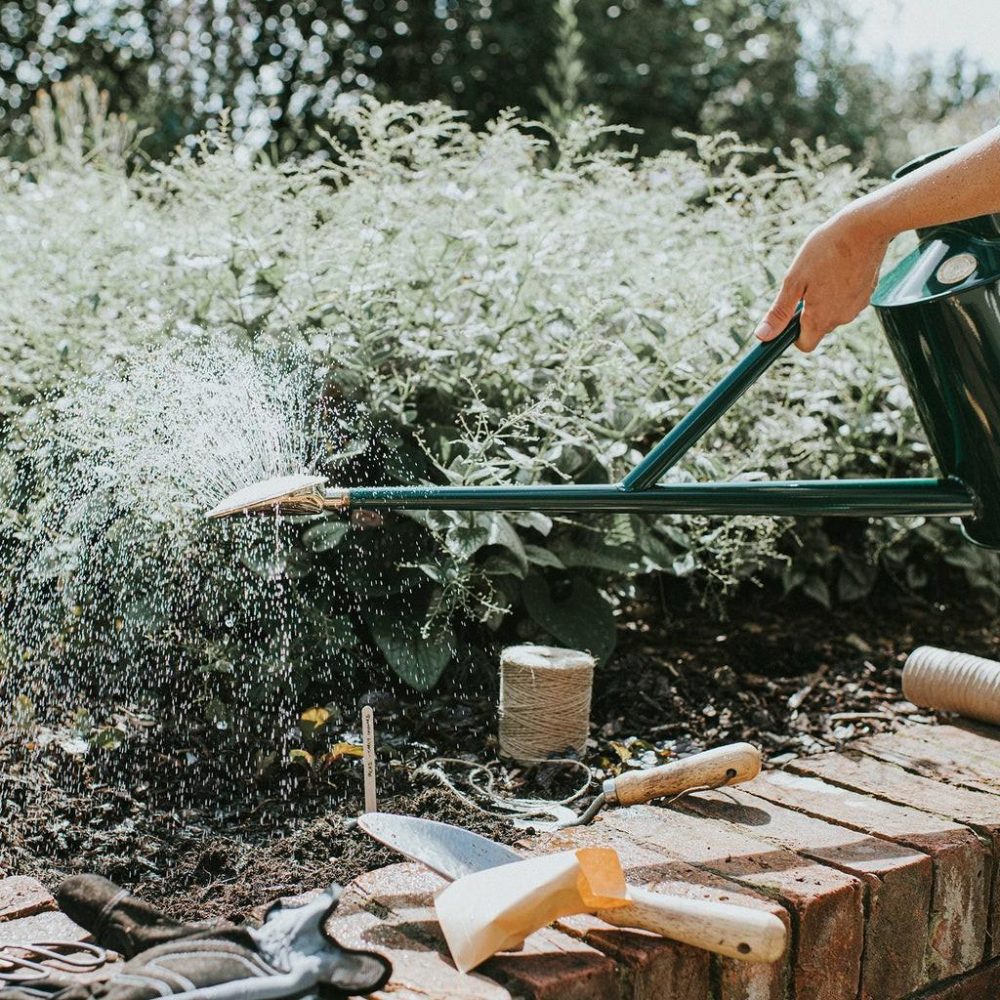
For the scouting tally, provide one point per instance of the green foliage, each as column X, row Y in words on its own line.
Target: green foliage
column 72, row 127
column 565, row 73
column 479, row 308
column 772, row 71
column 578, row 617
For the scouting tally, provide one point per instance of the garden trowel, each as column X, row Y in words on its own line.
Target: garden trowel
column 715, row 768
column 736, row 931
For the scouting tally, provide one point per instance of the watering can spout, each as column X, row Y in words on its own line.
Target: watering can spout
column 844, row 497
column 297, row 494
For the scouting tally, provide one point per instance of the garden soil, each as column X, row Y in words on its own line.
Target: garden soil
column 186, row 827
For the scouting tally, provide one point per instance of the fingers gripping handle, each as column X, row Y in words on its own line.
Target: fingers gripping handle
column 737, row 931
column 728, row 765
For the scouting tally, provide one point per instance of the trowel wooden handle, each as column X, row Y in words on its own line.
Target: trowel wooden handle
column 728, row 765
column 737, row 931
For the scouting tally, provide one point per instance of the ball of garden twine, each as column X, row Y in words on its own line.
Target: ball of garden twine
column 953, row 682
column 544, row 701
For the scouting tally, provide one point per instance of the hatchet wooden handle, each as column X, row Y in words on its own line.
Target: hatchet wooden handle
column 742, row 932
column 726, row 765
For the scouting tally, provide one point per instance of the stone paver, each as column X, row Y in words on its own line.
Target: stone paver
column 21, row 896
column 49, row 926
column 959, row 903
column 828, row 905
column 976, row 810
column 898, row 881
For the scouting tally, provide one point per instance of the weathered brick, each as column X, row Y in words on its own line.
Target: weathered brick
column 664, row 968
column 897, row 879
column 944, row 753
column 554, row 966
column 21, row 896
column 649, row 967
column 551, row 965
column 828, row 904
column 419, row 970
column 959, row 901
column 981, row 984
column 977, row 810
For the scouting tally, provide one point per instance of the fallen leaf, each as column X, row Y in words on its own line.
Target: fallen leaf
column 339, row 750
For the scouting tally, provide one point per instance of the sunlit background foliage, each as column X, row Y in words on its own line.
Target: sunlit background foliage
column 771, row 70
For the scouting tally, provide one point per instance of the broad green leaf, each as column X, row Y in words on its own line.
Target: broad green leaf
column 597, row 557
column 539, row 556
column 533, row 519
column 503, row 534
column 418, row 661
column 684, row 565
column 503, row 564
column 465, row 539
column 582, row 619
column 856, row 579
column 337, row 632
column 325, row 536
column 271, row 564
column 817, row 589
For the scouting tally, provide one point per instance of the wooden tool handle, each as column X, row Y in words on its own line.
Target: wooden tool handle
column 737, row 931
column 726, row 765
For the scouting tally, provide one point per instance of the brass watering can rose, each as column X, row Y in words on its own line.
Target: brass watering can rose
column 300, row 494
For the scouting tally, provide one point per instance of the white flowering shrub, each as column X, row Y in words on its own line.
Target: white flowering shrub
column 480, row 308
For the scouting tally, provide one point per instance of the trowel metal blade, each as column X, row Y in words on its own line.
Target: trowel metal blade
column 448, row 850
column 262, row 495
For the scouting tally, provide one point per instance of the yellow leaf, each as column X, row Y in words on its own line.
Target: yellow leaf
column 315, row 717
column 303, row 755
column 339, row 750
column 624, row 754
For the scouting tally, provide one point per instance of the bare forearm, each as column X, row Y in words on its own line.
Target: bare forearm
column 963, row 184
column 836, row 269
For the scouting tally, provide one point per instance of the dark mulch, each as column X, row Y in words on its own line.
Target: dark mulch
column 194, row 827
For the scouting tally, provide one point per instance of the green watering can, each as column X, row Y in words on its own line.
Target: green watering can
column 940, row 308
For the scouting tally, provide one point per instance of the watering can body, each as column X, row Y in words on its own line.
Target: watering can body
column 940, row 309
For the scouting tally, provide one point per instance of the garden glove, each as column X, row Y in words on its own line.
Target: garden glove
column 290, row 955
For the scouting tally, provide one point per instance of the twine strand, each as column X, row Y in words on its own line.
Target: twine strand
column 481, row 782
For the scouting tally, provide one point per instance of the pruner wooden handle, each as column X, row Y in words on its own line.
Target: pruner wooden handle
column 737, row 931
column 728, row 765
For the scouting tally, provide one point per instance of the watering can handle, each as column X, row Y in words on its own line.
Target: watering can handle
column 667, row 453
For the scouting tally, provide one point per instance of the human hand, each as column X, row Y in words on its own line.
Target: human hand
column 834, row 274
